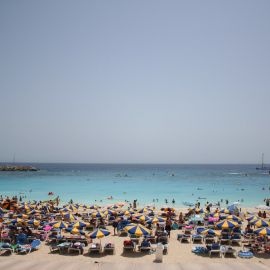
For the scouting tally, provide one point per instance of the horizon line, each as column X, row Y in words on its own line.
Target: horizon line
column 126, row 163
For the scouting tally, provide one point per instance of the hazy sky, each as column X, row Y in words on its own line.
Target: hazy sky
column 135, row 81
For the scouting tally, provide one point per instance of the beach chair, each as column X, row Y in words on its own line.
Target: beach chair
column 215, row 250
column 225, row 240
column 129, row 246
column 109, row 248
column 229, row 251
column 185, row 238
column 145, row 246
column 197, row 238
column 76, row 247
column 25, row 249
column 236, row 239
column 95, row 248
column 134, row 238
column 6, row 248
column 209, row 239
column 54, row 248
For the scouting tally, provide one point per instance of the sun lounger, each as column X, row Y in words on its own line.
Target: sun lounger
column 109, row 247
column 77, row 247
column 145, row 246
column 24, row 249
column 6, row 248
column 197, row 238
column 95, row 247
column 185, row 238
column 229, row 251
column 236, row 239
column 215, row 249
column 134, row 238
column 129, row 245
column 54, row 248
column 209, row 239
column 225, row 240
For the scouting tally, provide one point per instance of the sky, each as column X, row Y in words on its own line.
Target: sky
column 135, row 81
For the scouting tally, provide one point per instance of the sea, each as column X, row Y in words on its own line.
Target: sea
column 149, row 184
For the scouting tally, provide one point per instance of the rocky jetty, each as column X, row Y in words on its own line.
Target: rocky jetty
column 15, row 168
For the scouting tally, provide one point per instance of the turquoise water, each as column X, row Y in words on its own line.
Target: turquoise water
column 90, row 183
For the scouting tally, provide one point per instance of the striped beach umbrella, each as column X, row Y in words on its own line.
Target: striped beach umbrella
column 109, row 212
column 143, row 210
column 225, row 211
column 80, row 224
column 155, row 220
column 143, row 218
column 261, row 223
column 234, row 218
column 129, row 212
column 226, row 224
column 75, row 231
column 98, row 214
column 210, row 232
column 252, row 218
column 69, row 217
column 34, row 222
column 263, row 231
column 93, row 206
column 99, row 233
column 137, row 230
column 60, row 225
column 215, row 215
column 17, row 221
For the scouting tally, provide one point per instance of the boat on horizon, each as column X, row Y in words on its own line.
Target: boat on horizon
column 263, row 167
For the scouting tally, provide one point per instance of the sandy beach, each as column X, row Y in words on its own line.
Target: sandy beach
column 179, row 257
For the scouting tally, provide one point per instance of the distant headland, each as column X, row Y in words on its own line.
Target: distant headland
column 15, row 168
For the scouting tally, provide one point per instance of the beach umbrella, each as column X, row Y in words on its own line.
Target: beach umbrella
column 211, row 232
column 98, row 214
column 261, row 223
column 263, row 231
column 252, row 218
column 226, row 224
column 99, row 233
column 34, row 222
column 213, row 219
column 143, row 218
column 215, row 215
column 69, row 217
column 109, row 212
column 234, row 218
column 47, row 228
column 59, row 225
column 80, row 224
column 93, row 206
column 129, row 212
column 143, row 210
column 72, row 207
column 17, row 220
column 75, row 231
column 137, row 230
column 155, row 220
column 23, row 216
column 225, row 211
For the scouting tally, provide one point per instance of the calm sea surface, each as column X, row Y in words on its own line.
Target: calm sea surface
column 90, row 183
